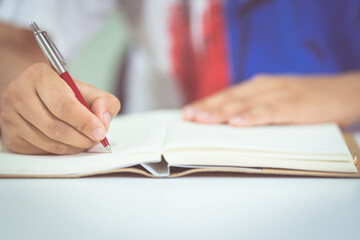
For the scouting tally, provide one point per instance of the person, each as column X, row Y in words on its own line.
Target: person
column 245, row 63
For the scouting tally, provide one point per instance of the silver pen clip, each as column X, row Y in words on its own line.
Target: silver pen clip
column 49, row 49
column 58, row 54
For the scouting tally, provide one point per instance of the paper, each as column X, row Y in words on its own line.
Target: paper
column 134, row 139
column 143, row 138
column 320, row 141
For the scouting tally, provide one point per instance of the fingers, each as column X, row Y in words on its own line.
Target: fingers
column 103, row 104
column 19, row 145
column 49, row 125
column 203, row 107
column 261, row 115
column 240, row 106
column 274, row 113
column 62, row 103
column 202, row 110
column 263, row 100
column 40, row 140
column 30, row 140
column 223, row 113
column 105, row 108
column 39, row 113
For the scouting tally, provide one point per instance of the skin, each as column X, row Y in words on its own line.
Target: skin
column 282, row 99
column 39, row 113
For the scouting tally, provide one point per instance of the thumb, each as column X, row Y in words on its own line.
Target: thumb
column 106, row 107
column 103, row 104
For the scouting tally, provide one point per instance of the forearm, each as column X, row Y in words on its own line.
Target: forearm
column 18, row 50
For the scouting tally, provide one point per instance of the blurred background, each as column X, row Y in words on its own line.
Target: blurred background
column 97, row 64
column 166, row 53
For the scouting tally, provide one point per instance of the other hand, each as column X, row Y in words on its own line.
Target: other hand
column 282, row 99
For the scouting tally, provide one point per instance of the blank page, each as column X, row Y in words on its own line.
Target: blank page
column 134, row 139
column 321, row 141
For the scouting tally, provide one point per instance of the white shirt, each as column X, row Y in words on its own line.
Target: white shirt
column 69, row 23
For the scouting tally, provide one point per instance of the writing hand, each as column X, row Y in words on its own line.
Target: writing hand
column 40, row 114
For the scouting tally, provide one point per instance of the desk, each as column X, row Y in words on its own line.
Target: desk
column 184, row 208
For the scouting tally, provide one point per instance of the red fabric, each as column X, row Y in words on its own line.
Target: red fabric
column 182, row 52
column 204, row 71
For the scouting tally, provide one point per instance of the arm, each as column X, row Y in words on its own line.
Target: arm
column 283, row 99
column 19, row 51
column 38, row 111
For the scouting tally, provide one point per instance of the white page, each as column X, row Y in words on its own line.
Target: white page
column 321, row 141
column 134, row 139
column 139, row 138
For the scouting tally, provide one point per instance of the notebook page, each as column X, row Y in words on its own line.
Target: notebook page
column 321, row 141
column 134, row 139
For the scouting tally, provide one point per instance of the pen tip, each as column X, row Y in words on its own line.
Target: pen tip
column 108, row 148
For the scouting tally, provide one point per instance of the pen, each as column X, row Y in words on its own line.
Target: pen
column 58, row 63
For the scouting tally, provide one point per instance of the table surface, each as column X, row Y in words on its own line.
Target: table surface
column 206, row 207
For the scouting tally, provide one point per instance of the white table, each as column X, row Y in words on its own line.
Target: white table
column 184, row 208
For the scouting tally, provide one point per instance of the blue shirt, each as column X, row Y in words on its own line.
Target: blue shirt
column 292, row 36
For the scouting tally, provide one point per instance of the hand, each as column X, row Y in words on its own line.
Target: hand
column 267, row 99
column 40, row 114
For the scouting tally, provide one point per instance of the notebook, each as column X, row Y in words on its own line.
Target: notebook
column 162, row 144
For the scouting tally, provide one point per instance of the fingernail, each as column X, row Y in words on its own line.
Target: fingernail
column 107, row 119
column 98, row 134
column 237, row 121
column 189, row 113
column 204, row 116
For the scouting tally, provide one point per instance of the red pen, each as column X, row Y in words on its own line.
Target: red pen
column 58, row 63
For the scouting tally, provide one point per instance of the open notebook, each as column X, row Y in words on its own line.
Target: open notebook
column 161, row 144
